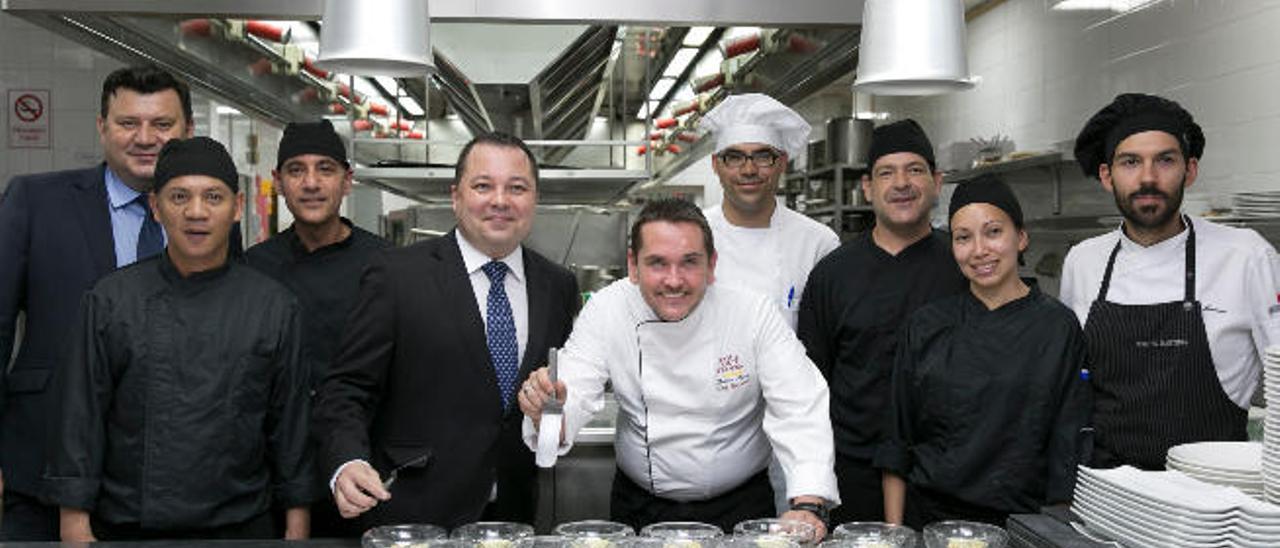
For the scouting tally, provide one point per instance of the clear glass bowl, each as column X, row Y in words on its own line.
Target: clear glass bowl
column 684, row 534
column 860, row 534
column 797, row 531
column 544, row 541
column 964, row 534
column 658, row 542
column 493, row 534
column 594, row 533
column 408, row 536
column 759, row 541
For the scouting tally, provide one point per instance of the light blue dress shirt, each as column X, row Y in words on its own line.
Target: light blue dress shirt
column 126, row 218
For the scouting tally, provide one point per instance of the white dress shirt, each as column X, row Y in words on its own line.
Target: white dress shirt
column 1236, row 284
column 704, row 402
column 513, row 283
column 774, row 261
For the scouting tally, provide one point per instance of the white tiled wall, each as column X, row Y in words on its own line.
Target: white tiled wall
column 1044, row 72
column 34, row 58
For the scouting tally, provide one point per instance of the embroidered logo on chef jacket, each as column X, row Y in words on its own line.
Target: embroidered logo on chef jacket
column 1275, row 307
column 1206, row 307
column 730, row 373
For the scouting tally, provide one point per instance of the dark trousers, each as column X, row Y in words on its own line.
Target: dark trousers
column 25, row 518
column 634, row 506
column 261, row 527
column 326, row 522
column 925, row 506
column 861, row 491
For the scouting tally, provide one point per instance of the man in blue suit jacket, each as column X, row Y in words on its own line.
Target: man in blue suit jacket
column 60, row 232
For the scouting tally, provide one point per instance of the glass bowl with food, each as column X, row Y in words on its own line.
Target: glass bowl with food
column 964, row 534
column 403, row 536
column 493, row 534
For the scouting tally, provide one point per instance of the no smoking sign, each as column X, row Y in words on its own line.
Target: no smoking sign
column 29, row 118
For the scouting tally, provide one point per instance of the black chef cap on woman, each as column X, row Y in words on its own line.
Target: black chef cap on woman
column 986, row 189
column 1132, row 113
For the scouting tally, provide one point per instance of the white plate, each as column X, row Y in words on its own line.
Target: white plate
column 1185, row 530
column 1244, row 531
column 1189, row 529
column 1137, row 535
column 1176, row 490
column 1193, row 468
column 1220, row 477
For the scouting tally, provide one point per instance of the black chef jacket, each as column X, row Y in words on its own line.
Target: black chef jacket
column 184, row 403
column 990, row 406
column 856, row 299
column 325, row 281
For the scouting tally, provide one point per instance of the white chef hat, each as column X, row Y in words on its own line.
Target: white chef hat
column 757, row 118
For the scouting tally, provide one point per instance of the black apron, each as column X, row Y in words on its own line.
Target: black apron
column 1155, row 385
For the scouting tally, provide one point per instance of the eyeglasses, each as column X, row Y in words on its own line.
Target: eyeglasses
column 761, row 158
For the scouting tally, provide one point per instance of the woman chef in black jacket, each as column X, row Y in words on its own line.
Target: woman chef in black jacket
column 990, row 394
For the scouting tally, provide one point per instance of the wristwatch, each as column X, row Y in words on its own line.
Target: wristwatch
column 814, row 508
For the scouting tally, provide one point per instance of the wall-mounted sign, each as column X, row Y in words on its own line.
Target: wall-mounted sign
column 29, row 118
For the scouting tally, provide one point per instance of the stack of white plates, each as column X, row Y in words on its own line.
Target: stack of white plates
column 1226, row 463
column 1271, row 426
column 1262, row 204
column 1163, row 509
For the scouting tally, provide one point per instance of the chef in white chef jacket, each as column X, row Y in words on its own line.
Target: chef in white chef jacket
column 710, row 382
column 762, row 245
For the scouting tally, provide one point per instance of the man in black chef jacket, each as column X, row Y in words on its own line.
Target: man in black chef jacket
column 184, row 401
column 858, row 296
column 1177, row 310
column 319, row 258
column 59, row 233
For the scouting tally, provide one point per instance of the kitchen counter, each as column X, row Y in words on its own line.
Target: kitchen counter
column 317, row 543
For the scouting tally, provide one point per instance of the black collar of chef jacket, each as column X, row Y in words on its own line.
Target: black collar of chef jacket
column 299, row 251
column 1032, row 293
column 196, row 279
column 913, row 247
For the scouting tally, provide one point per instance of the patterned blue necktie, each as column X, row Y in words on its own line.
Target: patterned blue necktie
column 501, row 332
column 150, row 237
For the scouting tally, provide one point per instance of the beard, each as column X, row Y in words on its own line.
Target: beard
column 1151, row 216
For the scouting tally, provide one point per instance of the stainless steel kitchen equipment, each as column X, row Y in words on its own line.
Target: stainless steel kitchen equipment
column 848, row 139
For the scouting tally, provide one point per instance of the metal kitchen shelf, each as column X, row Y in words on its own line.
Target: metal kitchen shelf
column 821, row 172
column 1050, row 161
column 831, row 210
column 598, row 186
column 836, row 175
column 445, row 174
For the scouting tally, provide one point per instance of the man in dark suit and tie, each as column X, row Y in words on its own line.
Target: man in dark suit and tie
column 60, row 232
column 442, row 334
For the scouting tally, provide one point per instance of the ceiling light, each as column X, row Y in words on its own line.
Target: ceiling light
column 660, row 89
column 358, row 38
column 224, row 110
column 679, row 61
column 1099, row 5
column 366, row 89
column 652, row 111
column 696, row 36
column 736, row 32
column 710, row 62
column 387, row 83
column 411, row 106
column 683, row 93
